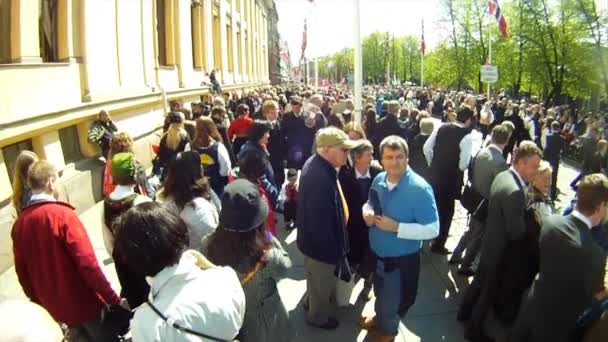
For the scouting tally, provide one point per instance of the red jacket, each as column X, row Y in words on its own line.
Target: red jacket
column 240, row 127
column 56, row 264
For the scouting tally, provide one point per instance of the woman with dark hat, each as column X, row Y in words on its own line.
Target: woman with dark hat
column 242, row 242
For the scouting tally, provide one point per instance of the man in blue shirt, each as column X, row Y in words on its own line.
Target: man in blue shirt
column 401, row 212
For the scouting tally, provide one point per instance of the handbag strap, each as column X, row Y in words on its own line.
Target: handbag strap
column 181, row 328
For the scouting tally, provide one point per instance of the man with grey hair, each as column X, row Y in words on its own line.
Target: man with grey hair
column 355, row 181
column 401, row 213
column 321, row 220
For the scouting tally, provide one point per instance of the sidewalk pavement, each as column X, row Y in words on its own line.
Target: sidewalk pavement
column 432, row 318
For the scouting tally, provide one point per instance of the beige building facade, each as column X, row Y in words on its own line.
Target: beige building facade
column 62, row 61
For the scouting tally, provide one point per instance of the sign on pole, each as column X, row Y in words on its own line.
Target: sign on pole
column 489, row 73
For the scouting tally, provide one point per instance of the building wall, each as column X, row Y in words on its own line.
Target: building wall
column 107, row 57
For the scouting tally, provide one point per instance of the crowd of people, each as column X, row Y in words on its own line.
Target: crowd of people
column 195, row 245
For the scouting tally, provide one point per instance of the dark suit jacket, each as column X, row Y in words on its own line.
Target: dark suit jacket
column 572, row 268
column 554, row 147
column 505, row 220
column 356, row 227
column 389, row 125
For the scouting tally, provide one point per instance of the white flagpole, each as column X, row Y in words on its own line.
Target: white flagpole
column 358, row 64
column 422, row 58
column 489, row 54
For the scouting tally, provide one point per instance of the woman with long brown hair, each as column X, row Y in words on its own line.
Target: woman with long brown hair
column 21, row 191
column 242, row 242
column 214, row 155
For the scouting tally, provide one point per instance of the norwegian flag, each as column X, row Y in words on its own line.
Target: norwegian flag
column 500, row 19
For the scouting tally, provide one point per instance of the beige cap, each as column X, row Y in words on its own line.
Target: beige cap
column 334, row 137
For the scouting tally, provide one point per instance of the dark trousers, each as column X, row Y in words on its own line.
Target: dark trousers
column 471, row 242
column 289, row 211
column 395, row 286
column 279, row 172
column 574, row 183
column 105, row 147
column 555, row 167
column 476, row 303
column 485, row 129
column 88, row 332
column 445, row 208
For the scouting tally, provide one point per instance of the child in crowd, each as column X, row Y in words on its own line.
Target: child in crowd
column 289, row 195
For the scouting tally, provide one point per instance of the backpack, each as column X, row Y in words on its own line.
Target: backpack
column 95, row 134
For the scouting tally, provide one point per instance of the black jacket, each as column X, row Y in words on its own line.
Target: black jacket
column 389, row 125
column 356, row 227
column 322, row 231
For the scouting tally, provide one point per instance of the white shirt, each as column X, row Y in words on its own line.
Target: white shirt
column 359, row 175
column 583, row 218
column 201, row 218
column 210, row 301
column 466, row 146
column 42, row 197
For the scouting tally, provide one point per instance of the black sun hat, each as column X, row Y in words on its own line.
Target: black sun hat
column 243, row 207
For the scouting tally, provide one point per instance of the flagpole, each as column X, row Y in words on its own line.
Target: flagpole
column 489, row 55
column 422, row 57
column 358, row 64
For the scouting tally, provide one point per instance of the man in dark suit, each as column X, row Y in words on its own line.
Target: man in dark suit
column 572, row 268
column 448, row 152
column 276, row 142
column 504, row 223
column 488, row 163
column 552, row 153
column 388, row 125
column 356, row 181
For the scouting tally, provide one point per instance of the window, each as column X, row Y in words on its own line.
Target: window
column 196, row 31
column 161, row 32
column 217, row 41
column 47, row 30
column 239, row 50
column 5, row 31
column 68, row 137
column 11, row 152
column 230, row 49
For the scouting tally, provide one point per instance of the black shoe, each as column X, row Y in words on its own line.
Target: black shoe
column 440, row 250
column 331, row 324
column 466, row 271
column 365, row 295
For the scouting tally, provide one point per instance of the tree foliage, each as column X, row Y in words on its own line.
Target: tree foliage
column 556, row 50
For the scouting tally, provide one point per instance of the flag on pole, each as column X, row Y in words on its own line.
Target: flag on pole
column 304, row 42
column 423, row 44
column 500, row 19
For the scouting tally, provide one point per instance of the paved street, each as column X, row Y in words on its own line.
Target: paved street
column 431, row 319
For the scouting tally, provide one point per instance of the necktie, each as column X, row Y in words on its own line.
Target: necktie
column 345, row 212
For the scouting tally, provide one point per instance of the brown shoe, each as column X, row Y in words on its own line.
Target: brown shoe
column 368, row 323
column 379, row 337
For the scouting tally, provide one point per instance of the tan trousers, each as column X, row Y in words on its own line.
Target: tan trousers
column 321, row 290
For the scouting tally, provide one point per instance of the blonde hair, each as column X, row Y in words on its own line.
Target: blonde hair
column 269, row 104
column 355, row 126
column 39, row 175
column 602, row 145
column 426, row 126
column 24, row 161
column 544, row 167
column 175, row 134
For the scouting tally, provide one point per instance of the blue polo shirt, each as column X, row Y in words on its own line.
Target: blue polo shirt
column 411, row 201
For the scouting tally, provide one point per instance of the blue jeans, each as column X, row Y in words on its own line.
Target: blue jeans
column 395, row 286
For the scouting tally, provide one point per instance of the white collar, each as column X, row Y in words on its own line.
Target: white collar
column 521, row 180
column 495, row 147
column 583, row 218
column 42, row 197
column 359, row 175
column 121, row 192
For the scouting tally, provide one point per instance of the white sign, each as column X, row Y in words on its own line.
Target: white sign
column 489, row 73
